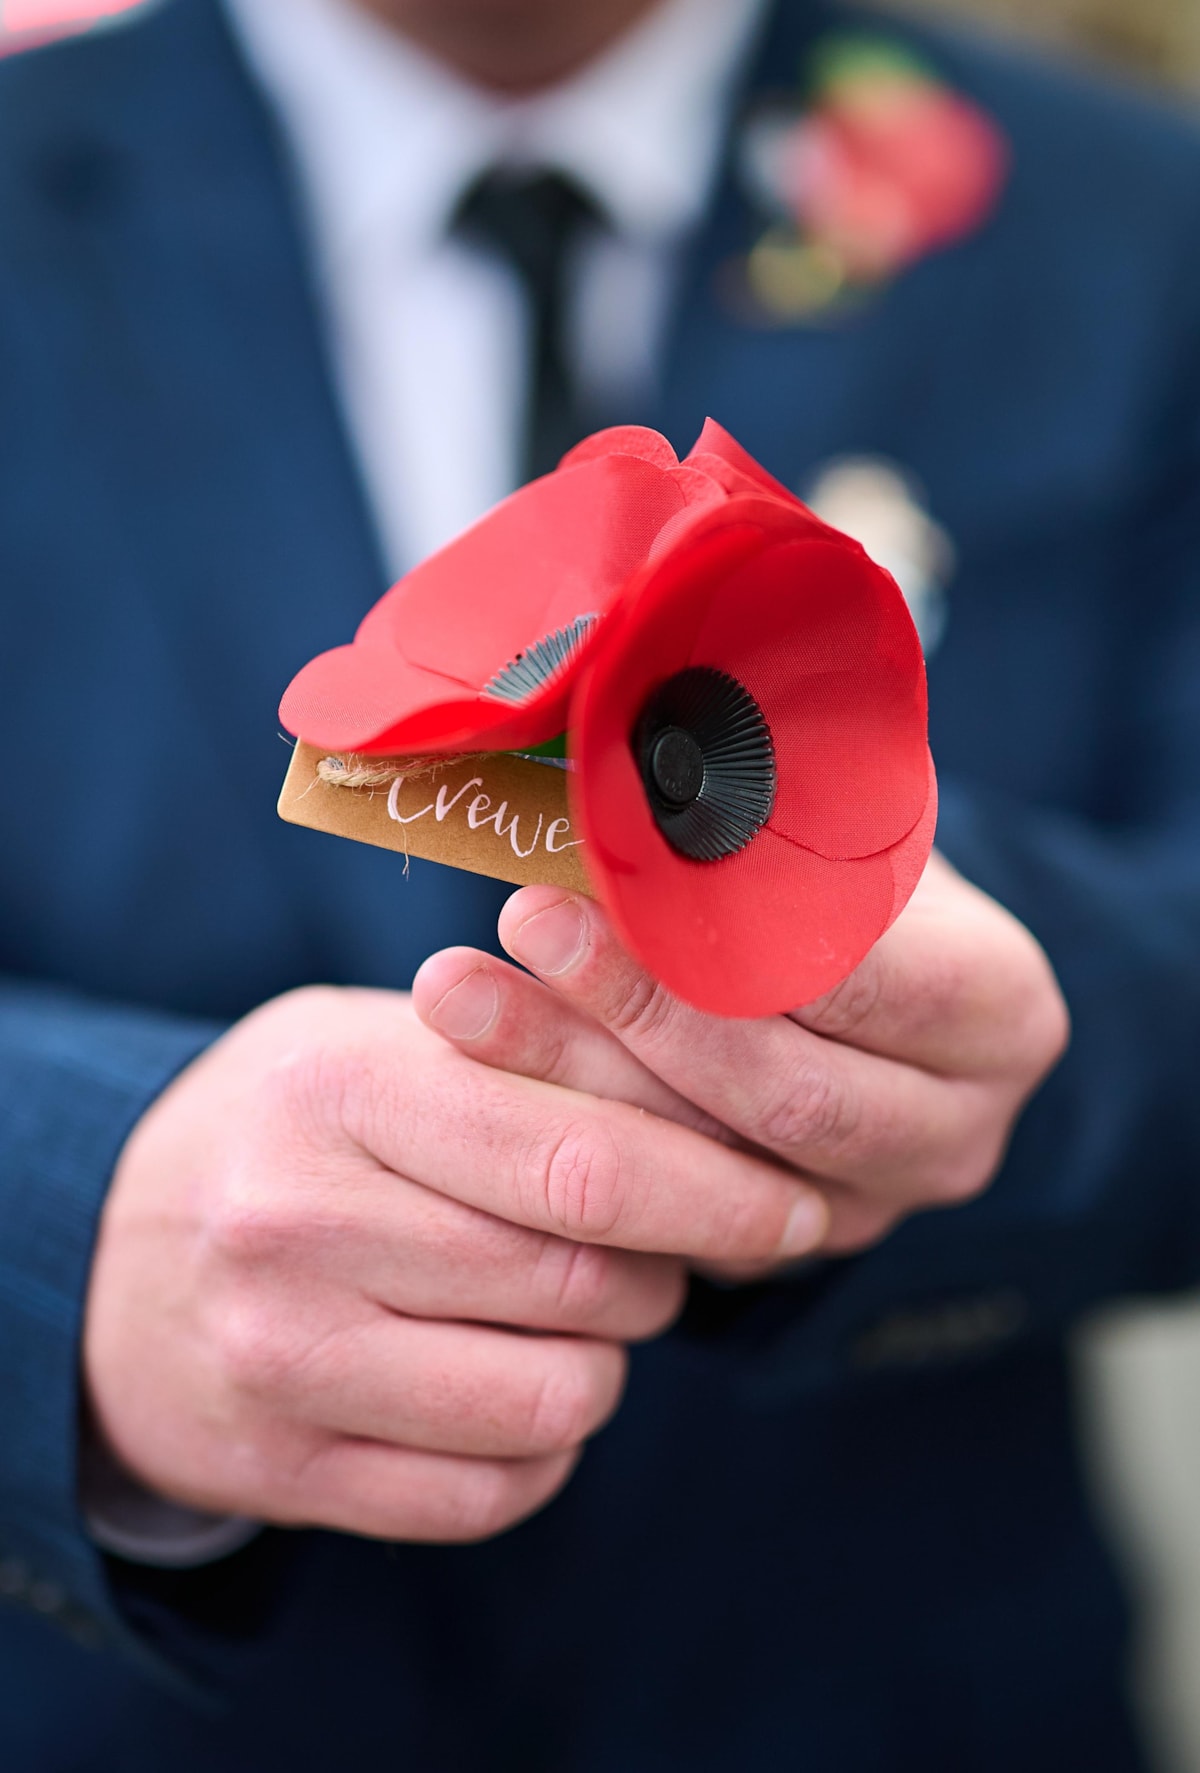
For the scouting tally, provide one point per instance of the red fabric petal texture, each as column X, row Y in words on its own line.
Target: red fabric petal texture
column 757, row 933
column 622, row 440
column 345, row 699
column 644, row 642
column 722, row 456
column 562, row 547
column 355, row 690
column 909, row 856
column 821, row 638
column 702, row 483
column 823, row 641
column 752, row 935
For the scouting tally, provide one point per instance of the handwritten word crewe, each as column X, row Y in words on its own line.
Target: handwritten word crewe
column 479, row 812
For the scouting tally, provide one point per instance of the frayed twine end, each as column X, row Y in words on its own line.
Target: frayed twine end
column 379, row 772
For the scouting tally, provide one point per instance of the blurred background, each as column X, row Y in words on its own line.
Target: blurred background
column 1139, row 1369
column 1160, row 39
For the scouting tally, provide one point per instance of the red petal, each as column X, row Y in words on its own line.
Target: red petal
column 623, row 440
column 823, row 640
column 353, row 691
column 640, row 644
column 562, row 547
column 909, row 856
column 477, row 724
column 717, row 452
column 363, row 698
column 752, row 935
column 755, row 933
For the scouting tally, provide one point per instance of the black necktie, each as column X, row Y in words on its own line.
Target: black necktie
column 534, row 221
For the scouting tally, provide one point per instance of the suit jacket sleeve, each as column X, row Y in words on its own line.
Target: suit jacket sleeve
column 75, row 1076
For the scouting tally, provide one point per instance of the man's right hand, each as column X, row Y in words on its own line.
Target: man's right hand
column 325, row 1247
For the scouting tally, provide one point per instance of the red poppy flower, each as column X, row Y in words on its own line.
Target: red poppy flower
column 893, row 166
column 776, row 807
column 743, row 693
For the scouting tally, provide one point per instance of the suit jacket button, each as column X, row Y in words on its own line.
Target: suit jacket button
column 82, row 1627
column 47, row 1597
column 14, row 1578
column 936, row 1335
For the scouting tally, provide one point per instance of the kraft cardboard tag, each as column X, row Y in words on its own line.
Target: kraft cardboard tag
column 495, row 814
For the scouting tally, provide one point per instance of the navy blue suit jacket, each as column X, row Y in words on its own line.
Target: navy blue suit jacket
column 838, row 1522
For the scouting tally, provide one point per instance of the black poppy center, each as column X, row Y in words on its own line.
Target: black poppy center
column 707, row 763
column 677, row 765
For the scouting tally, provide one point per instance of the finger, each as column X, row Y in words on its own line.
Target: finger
column 512, row 1021
column 428, row 1255
column 594, row 1172
column 401, row 1493
column 420, row 1250
column 856, row 1222
column 452, row 1388
column 956, row 986
column 504, row 1018
column 823, row 1107
column 517, row 1024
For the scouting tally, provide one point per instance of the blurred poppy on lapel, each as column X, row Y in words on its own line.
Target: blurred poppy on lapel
column 742, row 691
column 882, row 164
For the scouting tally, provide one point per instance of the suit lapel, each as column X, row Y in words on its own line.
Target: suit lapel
column 719, row 361
column 797, row 394
column 169, row 184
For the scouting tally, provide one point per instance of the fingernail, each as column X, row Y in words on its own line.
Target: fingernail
column 468, row 1008
column 552, row 940
column 806, row 1226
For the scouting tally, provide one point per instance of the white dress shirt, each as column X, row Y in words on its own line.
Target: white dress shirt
column 428, row 336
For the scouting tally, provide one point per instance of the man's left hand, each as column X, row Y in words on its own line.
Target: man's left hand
column 897, row 1091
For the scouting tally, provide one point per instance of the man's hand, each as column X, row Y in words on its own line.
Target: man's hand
column 897, row 1091
column 326, row 1246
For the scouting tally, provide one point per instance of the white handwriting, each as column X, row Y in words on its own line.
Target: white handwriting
column 479, row 812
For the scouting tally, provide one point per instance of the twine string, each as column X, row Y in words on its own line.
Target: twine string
column 381, row 772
